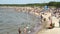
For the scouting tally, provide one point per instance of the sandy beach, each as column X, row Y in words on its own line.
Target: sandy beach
column 50, row 31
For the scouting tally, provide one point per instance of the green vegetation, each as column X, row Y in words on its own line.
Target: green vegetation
column 36, row 4
column 55, row 4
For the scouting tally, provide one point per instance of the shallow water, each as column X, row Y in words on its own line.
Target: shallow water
column 10, row 20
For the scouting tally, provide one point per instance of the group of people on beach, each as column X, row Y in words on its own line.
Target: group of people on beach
column 50, row 22
column 29, row 9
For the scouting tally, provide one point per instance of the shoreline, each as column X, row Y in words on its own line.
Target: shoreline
column 31, row 10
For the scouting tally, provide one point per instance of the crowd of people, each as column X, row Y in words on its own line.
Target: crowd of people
column 50, row 17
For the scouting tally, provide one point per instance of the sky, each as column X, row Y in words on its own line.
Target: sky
column 25, row 1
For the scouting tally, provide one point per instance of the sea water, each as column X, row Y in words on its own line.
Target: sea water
column 11, row 20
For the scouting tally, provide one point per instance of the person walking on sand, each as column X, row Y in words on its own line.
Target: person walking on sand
column 19, row 31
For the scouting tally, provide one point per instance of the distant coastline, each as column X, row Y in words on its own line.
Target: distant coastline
column 52, row 3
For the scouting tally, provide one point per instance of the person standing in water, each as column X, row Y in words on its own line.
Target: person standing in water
column 25, row 31
column 19, row 31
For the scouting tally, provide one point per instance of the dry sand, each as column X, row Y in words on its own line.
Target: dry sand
column 50, row 31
